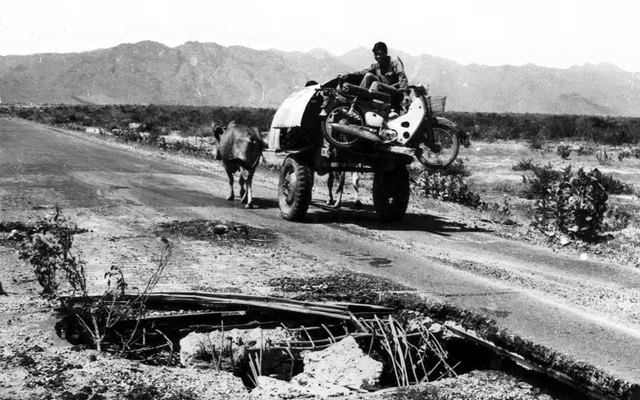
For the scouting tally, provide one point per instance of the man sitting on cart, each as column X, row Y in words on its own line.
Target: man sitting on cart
column 385, row 75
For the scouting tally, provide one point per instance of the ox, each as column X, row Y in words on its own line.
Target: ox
column 340, row 176
column 239, row 148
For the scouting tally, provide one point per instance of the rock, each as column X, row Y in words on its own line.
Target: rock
column 274, row 388
column 220, row 229
column 15, row 235
column 342, row 364
column 435, row 328
column 196, row 349
column 565, row 240
column 335, row 371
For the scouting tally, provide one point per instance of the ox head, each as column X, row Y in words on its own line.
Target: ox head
column 218, row 130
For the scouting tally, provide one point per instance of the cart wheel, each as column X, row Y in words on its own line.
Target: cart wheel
column 341, row 114
column 294, row 189
column 391, row 192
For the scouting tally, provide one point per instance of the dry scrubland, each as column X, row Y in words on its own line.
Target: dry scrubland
column 494, row 177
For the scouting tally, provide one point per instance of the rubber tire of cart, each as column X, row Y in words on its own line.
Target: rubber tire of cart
column 391, row 192
column 294, row 189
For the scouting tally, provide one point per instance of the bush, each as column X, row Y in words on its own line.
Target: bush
column 603, row 157
column 543, row 177
column 456, row 169
column 536, row 142
column 564, row 151
column 614, row 186
column 526, row 164
column 48, row 247
column 574, row 205
column 630, row 152
column 439, row 185
column 615, row 219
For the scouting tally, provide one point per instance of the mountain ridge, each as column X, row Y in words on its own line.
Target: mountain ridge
column 209, row 74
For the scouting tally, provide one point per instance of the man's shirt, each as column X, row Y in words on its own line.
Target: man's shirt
column 394, row 73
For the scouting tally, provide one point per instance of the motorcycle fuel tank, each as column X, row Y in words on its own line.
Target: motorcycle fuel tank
column 373, row 119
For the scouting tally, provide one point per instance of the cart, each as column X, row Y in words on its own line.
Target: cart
column 296, row 134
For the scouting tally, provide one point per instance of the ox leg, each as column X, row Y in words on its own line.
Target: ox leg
column 340, row 190
column 231, row 195
column 330, row 179
column 355, row 180
column 243, row 190
column 248, row 196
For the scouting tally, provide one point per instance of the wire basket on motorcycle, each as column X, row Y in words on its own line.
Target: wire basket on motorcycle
column 435, row 104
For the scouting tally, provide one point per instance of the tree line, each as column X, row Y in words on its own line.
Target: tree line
column 197, row 120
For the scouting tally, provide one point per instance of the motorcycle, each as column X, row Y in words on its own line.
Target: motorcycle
column 357, row 118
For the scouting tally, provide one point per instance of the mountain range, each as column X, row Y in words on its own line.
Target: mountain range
column 208, row 74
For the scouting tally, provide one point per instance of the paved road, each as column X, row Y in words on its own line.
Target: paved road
column 585, row 309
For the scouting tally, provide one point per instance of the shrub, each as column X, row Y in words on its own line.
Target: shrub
column 615, row 219
column 574, row 205
column 445, row 187
column 526, row 164
column 603, row 157
column 630, row 152
column 614, row 186
column 456, row 169
column 564, row 151
column 536, row 142
column 543, row 177
column 48, row 247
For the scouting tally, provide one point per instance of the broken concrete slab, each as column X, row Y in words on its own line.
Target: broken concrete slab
column 233, row 347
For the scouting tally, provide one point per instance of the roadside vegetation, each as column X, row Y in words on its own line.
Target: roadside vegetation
column 48, row 247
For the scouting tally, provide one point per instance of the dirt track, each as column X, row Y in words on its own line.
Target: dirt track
column 587, row 309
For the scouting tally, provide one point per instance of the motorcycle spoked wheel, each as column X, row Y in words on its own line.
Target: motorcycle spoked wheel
column 340, row 115
column 444, row 150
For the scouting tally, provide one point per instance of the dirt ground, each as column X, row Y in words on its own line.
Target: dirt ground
column 37, row 364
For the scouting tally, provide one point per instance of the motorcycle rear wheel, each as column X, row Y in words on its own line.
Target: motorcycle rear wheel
column 444, row 150
column 340, row 115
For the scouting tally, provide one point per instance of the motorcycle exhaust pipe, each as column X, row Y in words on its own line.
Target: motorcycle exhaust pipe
column 356, row 131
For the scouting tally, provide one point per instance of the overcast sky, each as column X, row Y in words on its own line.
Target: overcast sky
column 551, row 33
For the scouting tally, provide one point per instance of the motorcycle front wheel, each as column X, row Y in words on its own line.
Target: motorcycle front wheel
column 444, row 150
column 344, row 115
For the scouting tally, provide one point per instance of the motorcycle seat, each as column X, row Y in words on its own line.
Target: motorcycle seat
column 356, row 90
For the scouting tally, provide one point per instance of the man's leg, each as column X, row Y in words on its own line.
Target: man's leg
column 368, row 80
column 396, row 95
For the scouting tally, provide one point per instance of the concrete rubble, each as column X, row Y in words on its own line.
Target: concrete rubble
column 338, row 370
column 204, row 349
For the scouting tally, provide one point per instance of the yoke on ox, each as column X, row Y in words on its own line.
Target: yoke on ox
column 239, row 148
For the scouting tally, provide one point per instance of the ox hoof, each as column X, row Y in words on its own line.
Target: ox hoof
column 231, row 197
column 249, row 205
